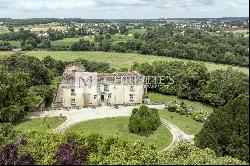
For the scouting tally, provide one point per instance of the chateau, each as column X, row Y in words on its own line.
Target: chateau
column 84, row 89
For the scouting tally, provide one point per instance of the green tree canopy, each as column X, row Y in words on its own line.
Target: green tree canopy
column 227, row 130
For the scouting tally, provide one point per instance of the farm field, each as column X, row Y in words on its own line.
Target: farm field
column 65, row 42
column 16, row 44
column 45, row 27
column 119, row 127
column 133, row 31
column 37, row 124
column 118, row 60
column 121, row 38
column 89, row 37
column 160, row 98
column 3, row 30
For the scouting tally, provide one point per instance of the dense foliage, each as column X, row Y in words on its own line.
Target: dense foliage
column 224, row 85
column 190, row 43
column 43, row 147
column 70, row 154
column 37, row 71
column 92, row 66
column 13, row 94
column 9, row 154
column 194, row 82
column 5, row 46
column 227, row 130
column 144, row 121
column 82, row 45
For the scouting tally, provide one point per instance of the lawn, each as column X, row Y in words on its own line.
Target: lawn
column 186, row 124
column 119, row 127
column 160, row 98
column 37, row 124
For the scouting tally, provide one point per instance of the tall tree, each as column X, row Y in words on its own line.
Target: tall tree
column 227, row 130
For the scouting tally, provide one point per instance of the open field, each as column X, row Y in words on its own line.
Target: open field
column 3, row 30
column 89, row 37
column 121, row 38
column 186, row 124
column 160, row 98
column 119, row 127
column 37, row 124
column 45, row 27
column 16, row 44
column 133, row 31
column 65, row 42
column 118, row 60
column 237, row 30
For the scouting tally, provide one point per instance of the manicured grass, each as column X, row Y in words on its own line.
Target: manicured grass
column 65, row 42
column 37, row 124
column 160, row 98
column 119, row 127
column 186, row 124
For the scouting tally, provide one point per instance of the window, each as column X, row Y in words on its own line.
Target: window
column 73, row 92
column 132, row 88
column 106, row 88
column 131, row 97
column 73, row 101
column 98, row 87
column 95, row 96
column 109, row 96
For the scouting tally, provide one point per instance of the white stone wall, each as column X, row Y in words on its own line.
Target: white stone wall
column 85, row 95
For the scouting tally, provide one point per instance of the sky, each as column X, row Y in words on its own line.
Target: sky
column 123, row 9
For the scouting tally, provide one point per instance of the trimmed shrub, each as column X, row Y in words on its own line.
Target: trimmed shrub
column 144, row 121
column 199, row 116
column 172, row 108
column 181, row 111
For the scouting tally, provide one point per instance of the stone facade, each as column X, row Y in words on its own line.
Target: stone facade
column 84, row 89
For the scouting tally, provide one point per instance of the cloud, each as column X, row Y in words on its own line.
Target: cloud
column 126, row 8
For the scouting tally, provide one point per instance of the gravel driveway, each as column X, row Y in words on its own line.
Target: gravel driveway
column 85, row 114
